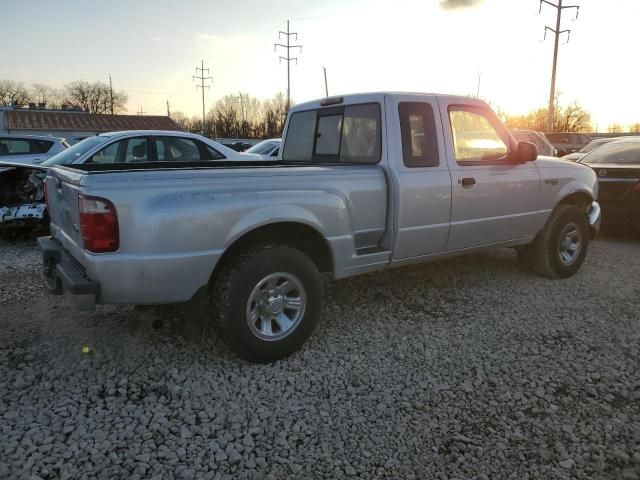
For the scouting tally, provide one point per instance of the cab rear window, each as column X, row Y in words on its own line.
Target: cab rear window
column 349, row 134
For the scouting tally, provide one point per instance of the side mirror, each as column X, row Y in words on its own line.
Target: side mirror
column 526, row 152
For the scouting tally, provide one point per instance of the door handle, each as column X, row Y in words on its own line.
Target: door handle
column 467, row 182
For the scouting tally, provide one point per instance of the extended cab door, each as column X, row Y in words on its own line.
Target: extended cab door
column 494, row 198
column 420, row 176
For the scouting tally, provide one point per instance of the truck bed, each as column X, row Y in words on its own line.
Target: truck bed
column 176, row 219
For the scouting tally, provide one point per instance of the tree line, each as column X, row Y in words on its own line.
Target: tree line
column 91, row 97
column 239, row 116
column 243, row 116
column 566, row 118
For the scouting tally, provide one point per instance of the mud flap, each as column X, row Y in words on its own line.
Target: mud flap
column 194, row 314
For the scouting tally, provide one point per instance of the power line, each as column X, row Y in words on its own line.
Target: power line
column 202, row 78
column 557, row 32
column 288, row 58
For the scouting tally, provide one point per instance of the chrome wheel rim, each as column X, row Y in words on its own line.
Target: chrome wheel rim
column 570, row 244
column 276, row 306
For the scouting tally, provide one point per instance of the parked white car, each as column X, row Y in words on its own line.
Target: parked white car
column 142, row 146
column 267, row 149
column 30, row 149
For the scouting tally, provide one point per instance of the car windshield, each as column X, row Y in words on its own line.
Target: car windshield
column 263, row 147
column 622, row 152
column 74, row 152
column 593, row 145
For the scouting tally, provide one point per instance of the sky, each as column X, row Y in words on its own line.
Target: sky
column 151, row 48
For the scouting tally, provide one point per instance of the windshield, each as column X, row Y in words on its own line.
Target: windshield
column 623, row 152
column 263, row 147
column 74, row 152
column 592, row 145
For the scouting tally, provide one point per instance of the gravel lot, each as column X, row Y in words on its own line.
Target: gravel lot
column 466, row 368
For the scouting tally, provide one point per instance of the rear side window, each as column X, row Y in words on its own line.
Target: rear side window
column 176, row 149
column 418, row 131
column 40, row 146
column 361, row 134
column 348, row 134
column 19, row 146
column 300, row 135
column 211, row 153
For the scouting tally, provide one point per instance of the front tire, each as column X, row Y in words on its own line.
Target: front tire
column 267, row 301
column 561, row 247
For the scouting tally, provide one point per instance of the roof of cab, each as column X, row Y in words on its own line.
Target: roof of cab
column 380, row 96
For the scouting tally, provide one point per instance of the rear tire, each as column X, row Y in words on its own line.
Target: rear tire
column 561, row 247
column 267, row 301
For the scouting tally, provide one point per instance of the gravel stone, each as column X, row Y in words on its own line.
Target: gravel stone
column 464, row 368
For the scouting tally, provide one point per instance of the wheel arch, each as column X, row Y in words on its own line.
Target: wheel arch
column 581, row 199
column 295, row 234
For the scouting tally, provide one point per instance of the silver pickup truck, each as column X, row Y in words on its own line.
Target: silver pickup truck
column 366, row 182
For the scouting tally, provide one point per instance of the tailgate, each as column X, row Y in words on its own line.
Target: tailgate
column 63, row 187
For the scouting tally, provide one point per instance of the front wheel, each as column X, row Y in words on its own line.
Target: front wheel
column 561, row 247
column 268, row 301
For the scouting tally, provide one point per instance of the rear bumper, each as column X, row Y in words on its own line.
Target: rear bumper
column 594, row 216
column 61, row 273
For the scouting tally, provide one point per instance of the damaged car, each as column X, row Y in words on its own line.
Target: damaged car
column 22, row 198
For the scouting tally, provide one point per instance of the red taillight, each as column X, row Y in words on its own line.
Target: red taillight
column 636, row 187
column 98, row 224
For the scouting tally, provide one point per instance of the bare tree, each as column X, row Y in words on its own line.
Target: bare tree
column 14, row 93
column 43, row 93
column 635, row 128
column 615, row 128
column 570, row 118
column 181, row 119
column 94, row 97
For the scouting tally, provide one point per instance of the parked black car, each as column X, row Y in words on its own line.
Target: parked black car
column 617, row 165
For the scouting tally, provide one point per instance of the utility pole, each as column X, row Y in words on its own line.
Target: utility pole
column 202, row 78
column 326, row 88
column 111, row 93
column 478, row 89
column 288, row 58
column 240, row 98
column 168, row 109
column 141, row 112
column 557, row 32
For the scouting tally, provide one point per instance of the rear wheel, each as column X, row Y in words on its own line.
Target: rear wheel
column 267, row 301
column 561, row 247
